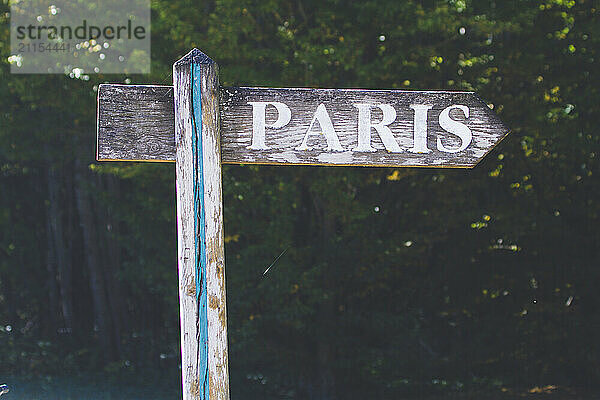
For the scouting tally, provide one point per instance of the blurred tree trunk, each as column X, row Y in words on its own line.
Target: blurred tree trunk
column 325, row 248
column 51, row 278
column 60, row 249
column 92, row 252
column 112, row 253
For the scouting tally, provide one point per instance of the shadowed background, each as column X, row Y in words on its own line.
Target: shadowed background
column 395, row 283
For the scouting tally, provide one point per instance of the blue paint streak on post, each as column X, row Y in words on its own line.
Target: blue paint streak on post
column 200, row 236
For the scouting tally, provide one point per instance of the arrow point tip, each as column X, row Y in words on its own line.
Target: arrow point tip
column 195, row 56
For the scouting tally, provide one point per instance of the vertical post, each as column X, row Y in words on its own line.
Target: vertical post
column 200, row 248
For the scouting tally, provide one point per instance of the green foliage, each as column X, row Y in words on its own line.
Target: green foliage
column 392, row 282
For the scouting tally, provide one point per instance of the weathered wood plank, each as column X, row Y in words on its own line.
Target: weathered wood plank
column 135, row 123
column 206, row 93
column 324, row 127
column 200, row 230
column 318, row 127
column 193, row 355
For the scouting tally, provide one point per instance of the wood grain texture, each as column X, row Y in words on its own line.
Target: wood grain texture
column 236, row 117
column 193, row 363
column 135, row 123
column 200, row 229
column 237, row 121
column 205, row 77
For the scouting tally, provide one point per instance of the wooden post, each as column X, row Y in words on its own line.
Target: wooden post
column 200, row 249
column 395, row 128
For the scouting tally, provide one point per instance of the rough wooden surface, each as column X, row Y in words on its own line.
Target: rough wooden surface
column 284, row 145
column 135, row 123
column 200, row 230
column 206, row 93
column 192, row 362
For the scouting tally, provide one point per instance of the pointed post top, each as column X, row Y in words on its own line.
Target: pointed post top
column 195, row 56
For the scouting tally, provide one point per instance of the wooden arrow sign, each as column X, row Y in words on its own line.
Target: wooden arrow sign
column 201, row 125
column 396, row 128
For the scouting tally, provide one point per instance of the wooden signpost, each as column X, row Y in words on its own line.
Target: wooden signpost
column 200, row 125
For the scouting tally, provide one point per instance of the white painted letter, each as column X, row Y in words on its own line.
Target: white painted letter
column 457, row 128
column 420, row 129
column 321, row 115
column 365, row 124
column 259, row 115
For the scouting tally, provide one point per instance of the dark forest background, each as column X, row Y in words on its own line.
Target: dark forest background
column 395, row 282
